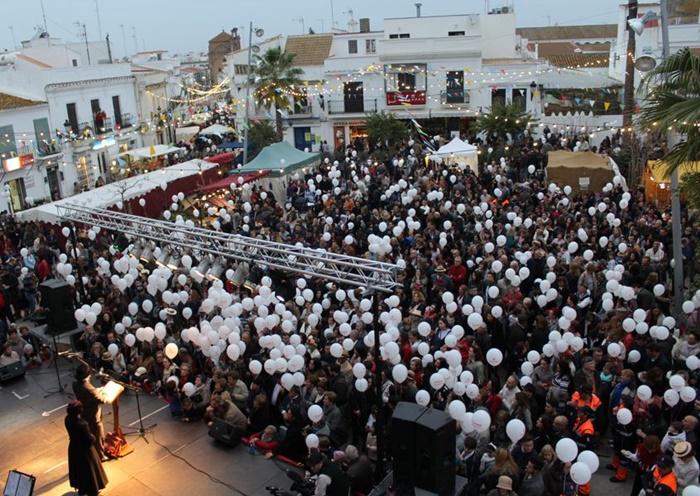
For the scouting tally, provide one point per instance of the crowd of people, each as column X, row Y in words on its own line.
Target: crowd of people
column 535, row 316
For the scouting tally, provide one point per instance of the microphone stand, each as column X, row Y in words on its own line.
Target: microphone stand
column 61, row 388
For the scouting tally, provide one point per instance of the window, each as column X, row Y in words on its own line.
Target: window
column 352, row 46
column 8, row 147
column 74, row 62
column 498, row 97
column 406, row 81
column 519, row 98
column 454, row 87
column 240, row 69
column 353, row 97
column 400, row 35
column 117, row 107
column 455, row 33
column 371, row 46
column 43, row 136
column 72, row 118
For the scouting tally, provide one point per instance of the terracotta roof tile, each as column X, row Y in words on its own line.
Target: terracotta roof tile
column 580, row 60
column 310, row 49
column 12, row 102
column 568, row 32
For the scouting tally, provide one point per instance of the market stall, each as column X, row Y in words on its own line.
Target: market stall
column 657, row 181
column 281, row 160
column 458, row 152
column 583, row 171
column 155, row 188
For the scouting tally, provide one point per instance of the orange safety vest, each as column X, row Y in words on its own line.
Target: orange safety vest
column 668, row 480
column 584, row 428
column 578, row 402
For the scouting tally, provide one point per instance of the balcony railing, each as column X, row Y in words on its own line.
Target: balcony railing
column 452, row 97
column 352, row 106
column 298, row 111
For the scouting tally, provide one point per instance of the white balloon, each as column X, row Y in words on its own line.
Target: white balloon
column 580, row 473
column 566, row 450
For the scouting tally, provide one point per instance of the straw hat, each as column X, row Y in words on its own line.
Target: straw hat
column 682, row 449
column 505, row 482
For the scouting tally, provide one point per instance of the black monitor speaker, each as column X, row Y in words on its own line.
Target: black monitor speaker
column 423, row 449
column 57, row 300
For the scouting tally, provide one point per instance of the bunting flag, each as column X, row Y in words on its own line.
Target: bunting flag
column 578, row 101
column 152, row 150
column 606, row 105
column 592, row 102
column 424, row 138
column 622, row 106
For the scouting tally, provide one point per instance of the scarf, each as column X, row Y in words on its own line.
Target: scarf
column 616, row 396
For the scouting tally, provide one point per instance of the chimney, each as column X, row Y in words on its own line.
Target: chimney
column 418, row 6
column 364, row 25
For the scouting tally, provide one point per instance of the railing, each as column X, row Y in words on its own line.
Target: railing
column 300, row 111
column 450, row 97
column 352, row 106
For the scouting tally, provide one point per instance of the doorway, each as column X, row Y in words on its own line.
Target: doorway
column 302, row 138
column 17, row 195
column 54, row 182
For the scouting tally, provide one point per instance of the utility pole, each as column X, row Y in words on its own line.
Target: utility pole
column 133, row 34
column 126, row 52
column 14, row 42
column 301, row 20
column 109, row 50
column 99, row 23
column 628, row 98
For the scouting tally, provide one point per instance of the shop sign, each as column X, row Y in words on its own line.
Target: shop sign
column 104, row 143
column 405, row 98
column 16, row 163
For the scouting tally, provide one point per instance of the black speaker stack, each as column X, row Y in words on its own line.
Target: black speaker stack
column 57, row 301
column 423, row 449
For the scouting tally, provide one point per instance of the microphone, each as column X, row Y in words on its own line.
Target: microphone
column 68, row 353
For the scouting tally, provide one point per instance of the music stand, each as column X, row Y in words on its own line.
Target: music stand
column 61, row 388
column 141, row 431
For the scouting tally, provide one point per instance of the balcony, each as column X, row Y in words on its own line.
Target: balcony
column 454, row 97
column 300, row 112
column 336, row 107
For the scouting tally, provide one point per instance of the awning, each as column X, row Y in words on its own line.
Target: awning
column 217, row 129
column 222, row 158
column 151, row 151
column 226, row 182
column 232, row 145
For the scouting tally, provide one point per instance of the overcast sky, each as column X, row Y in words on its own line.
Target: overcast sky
column 181, row 26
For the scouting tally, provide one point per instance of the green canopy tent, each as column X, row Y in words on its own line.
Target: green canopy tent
column 281, row 159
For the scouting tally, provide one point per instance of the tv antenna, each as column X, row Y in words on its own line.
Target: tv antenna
column 300, row 20
column 352, row 23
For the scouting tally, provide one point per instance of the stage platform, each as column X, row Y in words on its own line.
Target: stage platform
column 179, row 458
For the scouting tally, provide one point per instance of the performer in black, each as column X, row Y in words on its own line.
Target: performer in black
column 85, row 470
column 91, row 399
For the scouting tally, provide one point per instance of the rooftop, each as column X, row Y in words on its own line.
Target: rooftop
column 310, row 49
column 14, row 102
column 568, row 32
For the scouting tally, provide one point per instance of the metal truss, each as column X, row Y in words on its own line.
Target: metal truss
column 303, row 261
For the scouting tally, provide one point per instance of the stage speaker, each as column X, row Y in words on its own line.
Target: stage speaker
column 56, row 299
column 436, row 439
column 403, row 442
column 423, row 449
column 225, row 433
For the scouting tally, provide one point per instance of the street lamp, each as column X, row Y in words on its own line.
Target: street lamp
column 637, row 25
column 259, row 33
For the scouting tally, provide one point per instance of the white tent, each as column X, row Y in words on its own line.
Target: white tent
column 217, row 129
column 458, row 152
column 151, row 151
column 119, row 191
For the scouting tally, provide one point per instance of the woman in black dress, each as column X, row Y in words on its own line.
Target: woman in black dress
column 85, row 470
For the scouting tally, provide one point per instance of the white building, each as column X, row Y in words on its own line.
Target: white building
column 90, row 110
column 683, row 31
column 440, row 72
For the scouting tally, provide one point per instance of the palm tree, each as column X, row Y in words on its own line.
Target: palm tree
column 672, row 104
column 275, row 78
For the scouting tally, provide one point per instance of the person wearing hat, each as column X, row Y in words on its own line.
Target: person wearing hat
column 85, row 472
column 503, row 488
column 583, row 430
column 686, row 467
column 91, row 400
column 662, row 481
column 331, row 480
